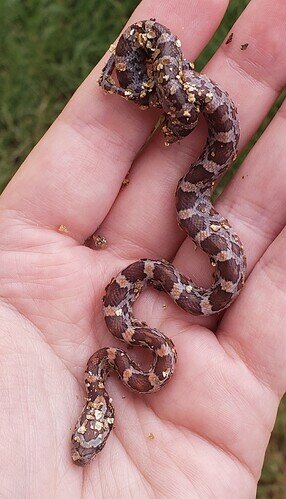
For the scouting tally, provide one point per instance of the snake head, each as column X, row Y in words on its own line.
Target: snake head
column 93, row 426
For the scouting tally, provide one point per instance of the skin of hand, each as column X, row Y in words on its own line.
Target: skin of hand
column 212, row 423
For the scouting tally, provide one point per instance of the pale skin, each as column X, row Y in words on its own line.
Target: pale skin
column 212, row 422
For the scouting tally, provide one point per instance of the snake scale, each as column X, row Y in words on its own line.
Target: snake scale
column 152, row 72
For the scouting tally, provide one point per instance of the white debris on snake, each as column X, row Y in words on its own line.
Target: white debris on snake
column 152, row 72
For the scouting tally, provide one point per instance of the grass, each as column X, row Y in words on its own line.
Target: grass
column 47, row 48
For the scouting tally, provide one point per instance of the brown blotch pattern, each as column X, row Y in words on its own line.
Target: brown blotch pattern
column 114, row 295
column 214, row 244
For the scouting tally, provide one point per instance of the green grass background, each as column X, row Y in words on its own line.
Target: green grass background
column 47, row 49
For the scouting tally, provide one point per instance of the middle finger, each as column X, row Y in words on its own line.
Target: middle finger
column 143, row 219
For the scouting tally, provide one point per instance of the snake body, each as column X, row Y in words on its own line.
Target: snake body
column 151, row 71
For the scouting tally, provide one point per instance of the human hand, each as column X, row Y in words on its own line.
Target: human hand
column 213, row 420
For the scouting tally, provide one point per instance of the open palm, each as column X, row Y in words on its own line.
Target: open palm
column 205, row 433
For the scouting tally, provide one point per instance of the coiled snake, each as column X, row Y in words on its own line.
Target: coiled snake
column 151, row 71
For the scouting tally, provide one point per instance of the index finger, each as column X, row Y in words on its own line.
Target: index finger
column 73, row 175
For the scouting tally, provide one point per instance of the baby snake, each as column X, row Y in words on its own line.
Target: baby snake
column 151, row 71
